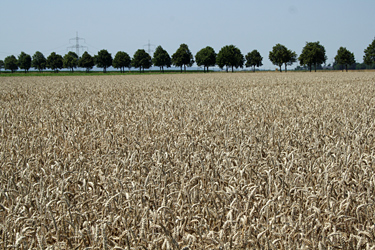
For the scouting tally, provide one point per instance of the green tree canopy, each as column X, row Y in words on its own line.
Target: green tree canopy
column 369, row 57
column 39, row 61
column 253, row 59
column 11, row 63
column 1, row 65
column 277, row 55
column 282, row 55
column 86, row 61
column 141, row 60
column 183, row 57
column 103, row 60
column 230, row 56
column 70, row 61
column 121, row 61
column 313, row 54
column 24, row 61
column 344, row 57
column 55, row 62
column 292, row 58
column 206, row 57
column 161, row 58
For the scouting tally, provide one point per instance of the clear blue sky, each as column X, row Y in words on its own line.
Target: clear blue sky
column 122, row 25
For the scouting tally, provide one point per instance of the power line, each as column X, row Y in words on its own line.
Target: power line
column 77, row 46
column 91, row 46
column 55, row 48
column 5, row 53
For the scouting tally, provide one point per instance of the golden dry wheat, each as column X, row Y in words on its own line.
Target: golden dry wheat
column 198, row 161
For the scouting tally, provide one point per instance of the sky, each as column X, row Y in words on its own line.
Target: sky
column 124, row 25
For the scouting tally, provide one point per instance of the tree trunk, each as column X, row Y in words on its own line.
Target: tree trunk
column 207, row 69
column 346, row 67
column 232, row 69
column 315, row 67
column 285, row 67
column 254, row 69
column 185, row 68
column 181, row 68
column 280, row 68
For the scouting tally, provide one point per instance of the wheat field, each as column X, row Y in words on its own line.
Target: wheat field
column 195, row 161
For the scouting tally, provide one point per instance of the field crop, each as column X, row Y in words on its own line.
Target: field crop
column 198, row 161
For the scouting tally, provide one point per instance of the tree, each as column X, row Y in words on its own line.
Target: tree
column 292, row 58
column 277, row 55
column 39, row 61
column 24, row 61
column 313, row 54
column 253, row 59
column 141, row 60
column 122, row 60
column 86, row 61
column 230, row 56
column 183, row 57
column 344, row 57
column 70, row 61
column 11, row 63
column 281, row 55
column 103, row 60
column 161, row 58
column 369, row 57
column 206, row 57
column 1, row 65
column 54, row 62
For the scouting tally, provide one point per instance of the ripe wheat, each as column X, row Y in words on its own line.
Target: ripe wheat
column 205, row 161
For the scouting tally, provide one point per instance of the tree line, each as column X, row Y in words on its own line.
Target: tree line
column 312, row 56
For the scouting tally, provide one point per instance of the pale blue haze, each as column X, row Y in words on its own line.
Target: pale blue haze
column 118, row 25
